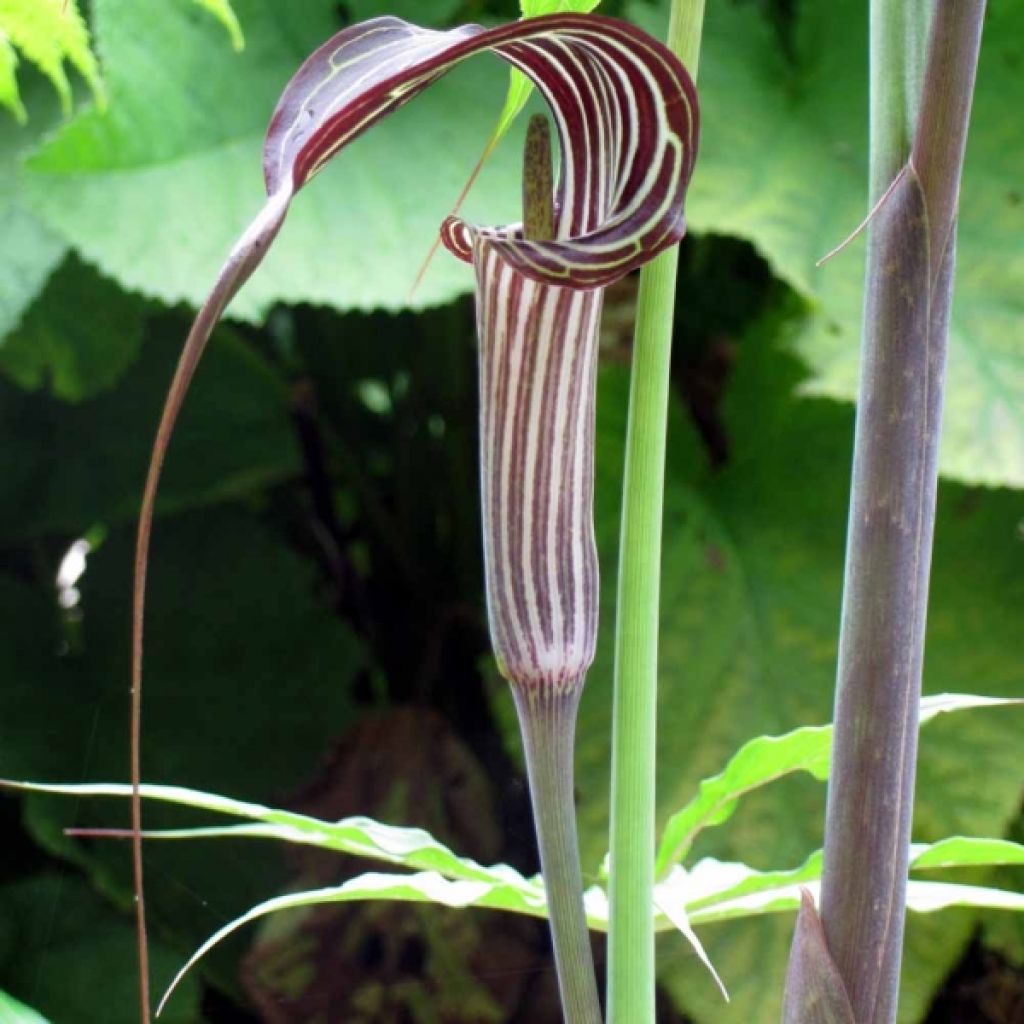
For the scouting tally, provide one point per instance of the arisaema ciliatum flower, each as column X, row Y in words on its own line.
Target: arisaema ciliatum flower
column 625, row 117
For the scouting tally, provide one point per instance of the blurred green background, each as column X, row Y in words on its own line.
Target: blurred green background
column 316, row 634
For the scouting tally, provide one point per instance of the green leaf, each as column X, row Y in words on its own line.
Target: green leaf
column 432, row 887
column 234, row 693
column 783, row 163
column 767, row 758
column 961, row 851
column 715, row 890
column 750, row 612
column 9, row 96
column 156, row 191
column 442, row 876
column 13, row 1012
column 48, row 33
column 359, row 836
column 78, row 355
column 520, row 88
column 423, row 887
column 922, row 898
column 235, row 435
column 1005, row 932
column 30, row 250
column 224, row 13
column 419, row 12
column 75, row 956
column 712, row 891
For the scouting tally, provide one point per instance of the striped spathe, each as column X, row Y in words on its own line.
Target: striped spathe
column 538, row 361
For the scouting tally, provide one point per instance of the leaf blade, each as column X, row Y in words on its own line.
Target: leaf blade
column 49, row 33
column 767, row 758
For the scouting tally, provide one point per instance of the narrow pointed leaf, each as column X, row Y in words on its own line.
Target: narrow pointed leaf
column 519, row 86
column 678, row 916
column 358, row 836
column 922, row 898
column 711, row 891
column 709, row 883
column 927, row 897
column 715, row 890
column 424, row 887
column 767, row 758
column 13, row 1012
column 9, row 95
column 965, row 851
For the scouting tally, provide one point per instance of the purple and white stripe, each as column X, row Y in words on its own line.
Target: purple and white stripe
column 538, row 360
column 624, row 108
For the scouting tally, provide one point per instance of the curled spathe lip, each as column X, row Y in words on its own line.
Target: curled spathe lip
column 624, row 108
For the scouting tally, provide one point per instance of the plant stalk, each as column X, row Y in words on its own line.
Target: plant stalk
column 547, row 719
column 898, row 39
column 892, row 512
column 634, row 712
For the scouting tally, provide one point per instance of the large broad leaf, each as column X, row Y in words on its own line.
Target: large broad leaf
column 29, row 250
column 79, row 336
column 66, row 468
column 71, row 957
column 420, row 12
column 107, row 182
column 784, row 164
column 750, row 599
column 248, row 687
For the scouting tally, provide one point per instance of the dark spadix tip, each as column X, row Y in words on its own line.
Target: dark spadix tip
column 538, row 182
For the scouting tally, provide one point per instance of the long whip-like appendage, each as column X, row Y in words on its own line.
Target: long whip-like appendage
column 243, row 260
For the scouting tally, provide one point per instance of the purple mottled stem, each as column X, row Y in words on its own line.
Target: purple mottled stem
column 892, row 516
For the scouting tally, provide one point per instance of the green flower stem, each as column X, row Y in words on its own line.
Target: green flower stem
column 634, row 713
column 898, row 40
column 547, row 719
